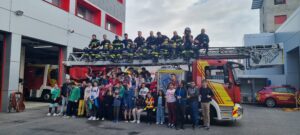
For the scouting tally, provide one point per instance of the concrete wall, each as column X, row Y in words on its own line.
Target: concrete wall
column 289, row 35
column 259, row 39
column 269, row 10
column 49, row 23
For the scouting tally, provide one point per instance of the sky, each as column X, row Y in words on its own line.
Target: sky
column 225, row 21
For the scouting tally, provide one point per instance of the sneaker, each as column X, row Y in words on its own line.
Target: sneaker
column 207, row 128
column 102, row 119
column 172, row 126
column 97, row 119
column 126, row 121
column 67, row 117
column 55, row 114
column 91, row 118
column 48, row 114
column 157, row 123
column 134, row 121
column 169, row 125
column 138, row 122
column 161, row 123
column 94, row 118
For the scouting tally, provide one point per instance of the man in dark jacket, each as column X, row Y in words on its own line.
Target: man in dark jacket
column 206, row 95
column 117, row 44
column 140, row 40
column 151, row 40
column 126, row 41
column 193, row 95
column 181, row 97
column 94, row 43
column 65, row 91
column 202, row 41
column 161, row 39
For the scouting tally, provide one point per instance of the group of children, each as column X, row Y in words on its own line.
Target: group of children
column 153, row 47
column 115, row 95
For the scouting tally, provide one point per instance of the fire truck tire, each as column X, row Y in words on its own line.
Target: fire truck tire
column 213, row 114
column 46, row 95
column 270, row 102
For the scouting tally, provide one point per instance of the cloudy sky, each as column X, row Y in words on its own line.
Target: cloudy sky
column 226, row 21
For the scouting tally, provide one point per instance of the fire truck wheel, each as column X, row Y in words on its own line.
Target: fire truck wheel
column 46, row 95
column 270, row 102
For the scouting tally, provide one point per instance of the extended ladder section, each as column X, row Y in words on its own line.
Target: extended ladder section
column 255, row 53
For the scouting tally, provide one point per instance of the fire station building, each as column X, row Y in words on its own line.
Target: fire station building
column 40, row 32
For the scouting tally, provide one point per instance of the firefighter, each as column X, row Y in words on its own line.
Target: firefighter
column 150, row 41
column 140, row 40
column 106, row 45
column 202, row 41
column 105, row 41
column 94, row 43
column 126, row 41
column 128, row 49
column 176, row 41
column 117, row 47
column 187, row 43
column 93, row 48
column 162, row 42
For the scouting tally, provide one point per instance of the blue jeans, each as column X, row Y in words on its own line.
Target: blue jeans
column 64, row 102
column 160, row 114
column 195, row 112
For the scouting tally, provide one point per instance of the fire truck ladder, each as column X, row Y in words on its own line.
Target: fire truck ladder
column 256, row 53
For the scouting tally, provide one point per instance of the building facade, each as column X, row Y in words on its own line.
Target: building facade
column 273, row 13
column 288, row 35
column 59, row 25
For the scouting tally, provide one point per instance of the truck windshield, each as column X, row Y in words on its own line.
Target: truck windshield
column 214, row 73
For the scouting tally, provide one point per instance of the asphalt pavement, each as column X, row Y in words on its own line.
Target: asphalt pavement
column 257, row 120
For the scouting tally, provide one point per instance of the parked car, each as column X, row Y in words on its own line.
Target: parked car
column 277, row 95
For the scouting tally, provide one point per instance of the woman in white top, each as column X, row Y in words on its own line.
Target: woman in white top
column 143, row 91
column 171, row 104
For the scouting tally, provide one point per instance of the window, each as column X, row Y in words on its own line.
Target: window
column 85, row 14
column 88, row 12
column 277, row 2
column 62, row 4
column 121, row 1
column 280, row 19
column 113, row 25
column 284, row 90
column 215, row 73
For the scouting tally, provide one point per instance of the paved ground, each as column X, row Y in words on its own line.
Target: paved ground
column 257, row 120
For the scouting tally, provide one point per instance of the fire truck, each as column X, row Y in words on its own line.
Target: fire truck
column 218, row 67
column 38, row 81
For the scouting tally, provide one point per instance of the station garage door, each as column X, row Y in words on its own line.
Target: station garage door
column 39, row 68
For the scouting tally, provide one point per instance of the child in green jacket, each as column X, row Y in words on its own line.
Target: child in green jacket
column 73, row 99
column 55, row 94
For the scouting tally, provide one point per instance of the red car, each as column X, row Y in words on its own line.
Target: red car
column 277, row 95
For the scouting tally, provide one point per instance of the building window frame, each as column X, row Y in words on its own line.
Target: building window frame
column 113, row 25
column 93, row 12
column 279, row 2
column 63, row 4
